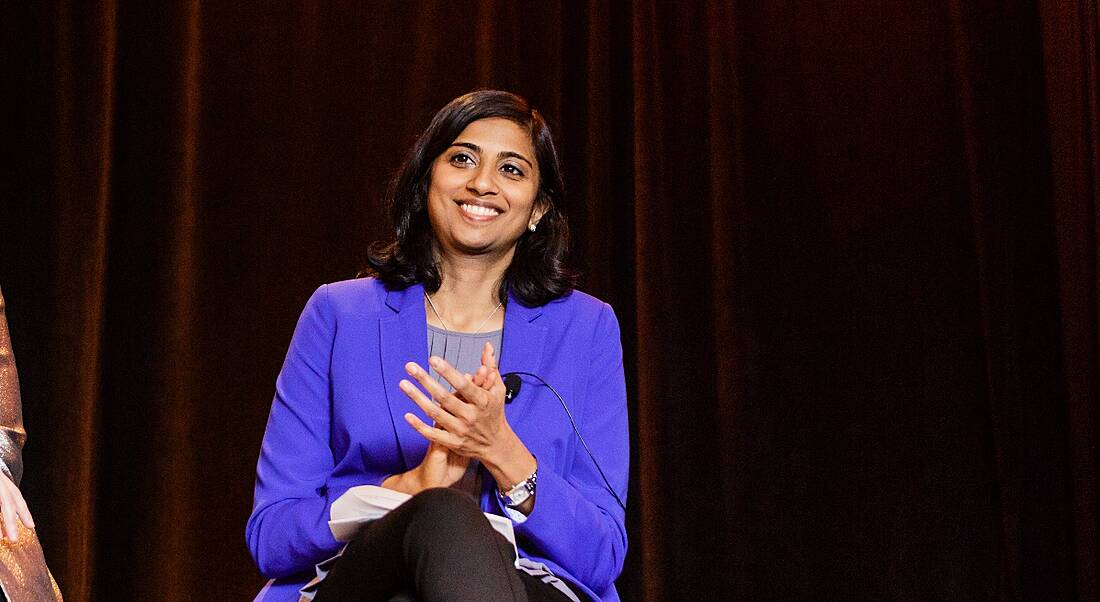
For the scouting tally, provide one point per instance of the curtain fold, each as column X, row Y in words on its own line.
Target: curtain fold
column 83, row 47
column 179, row 432
column 852, row 249
column 1071, row 59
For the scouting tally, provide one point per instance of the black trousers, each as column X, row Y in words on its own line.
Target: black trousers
column 436, row 546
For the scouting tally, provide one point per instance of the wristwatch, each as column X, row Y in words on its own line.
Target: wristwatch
column 519, row 492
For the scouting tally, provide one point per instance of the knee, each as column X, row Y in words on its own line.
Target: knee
column 444, row 522
column 443, row 511
column 440, row 505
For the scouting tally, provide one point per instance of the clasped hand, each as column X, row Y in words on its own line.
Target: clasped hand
column 469, row 420
column 468, row 423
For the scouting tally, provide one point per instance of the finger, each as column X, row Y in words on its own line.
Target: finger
column 11, row 530
column 21, row 509
column 426, row 380
column 446, row 399
column 481, row 377
column 444, row 368
column 487, row 357
column 25, row 513
column 464, row 386
column 432, row 434
column 496, row 385
column 489, row 362
column 441, row 416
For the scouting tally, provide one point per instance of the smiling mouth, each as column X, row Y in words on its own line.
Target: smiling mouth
column 479, row 211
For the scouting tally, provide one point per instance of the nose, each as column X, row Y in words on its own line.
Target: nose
column 482, row 182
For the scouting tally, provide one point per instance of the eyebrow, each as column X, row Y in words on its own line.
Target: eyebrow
column 477, row 149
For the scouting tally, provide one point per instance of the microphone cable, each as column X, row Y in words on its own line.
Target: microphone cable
column 513, row 391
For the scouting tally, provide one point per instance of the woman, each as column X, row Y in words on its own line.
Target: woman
column 23, row 572
column 475, row 272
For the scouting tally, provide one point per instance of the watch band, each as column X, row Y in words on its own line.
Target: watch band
column 518, row 493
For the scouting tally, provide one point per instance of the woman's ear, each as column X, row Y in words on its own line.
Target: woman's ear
column 542, row 207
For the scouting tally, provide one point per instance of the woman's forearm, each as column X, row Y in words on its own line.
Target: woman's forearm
column 510, row 463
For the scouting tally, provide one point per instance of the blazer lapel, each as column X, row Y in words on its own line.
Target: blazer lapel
column 403, row 336
column 523, row 341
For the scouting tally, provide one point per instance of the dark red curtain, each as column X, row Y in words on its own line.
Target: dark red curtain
column 853, row 248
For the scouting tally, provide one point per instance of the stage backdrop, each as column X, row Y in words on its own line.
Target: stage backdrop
column 852, row 245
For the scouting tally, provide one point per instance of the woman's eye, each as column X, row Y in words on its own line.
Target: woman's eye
column 462, row 159
column 512, row 170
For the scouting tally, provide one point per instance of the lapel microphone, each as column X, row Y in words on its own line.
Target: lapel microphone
column 512, row 384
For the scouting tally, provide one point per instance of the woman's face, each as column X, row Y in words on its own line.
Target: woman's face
column 484, row 188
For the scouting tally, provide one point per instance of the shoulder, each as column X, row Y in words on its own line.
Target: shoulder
column 357, row 295
column 581, row 312
column 336, row 302
column 576, row 302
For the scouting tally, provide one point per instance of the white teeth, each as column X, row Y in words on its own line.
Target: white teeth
column 479, row 210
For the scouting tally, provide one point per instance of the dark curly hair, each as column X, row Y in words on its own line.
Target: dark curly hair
column 538, row 272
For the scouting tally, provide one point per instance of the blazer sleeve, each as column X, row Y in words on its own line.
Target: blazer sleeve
column 288, row 531
column 576, row 521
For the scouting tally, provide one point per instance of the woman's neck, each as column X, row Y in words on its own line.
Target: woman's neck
column 468, row 294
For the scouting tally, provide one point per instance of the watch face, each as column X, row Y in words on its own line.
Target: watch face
column 518, row 495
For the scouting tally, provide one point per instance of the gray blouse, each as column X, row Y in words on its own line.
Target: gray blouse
column 461, row 349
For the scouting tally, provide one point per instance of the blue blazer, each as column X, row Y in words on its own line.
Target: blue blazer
column 336, row 422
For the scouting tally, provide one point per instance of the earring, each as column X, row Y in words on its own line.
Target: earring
column 531, row 226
